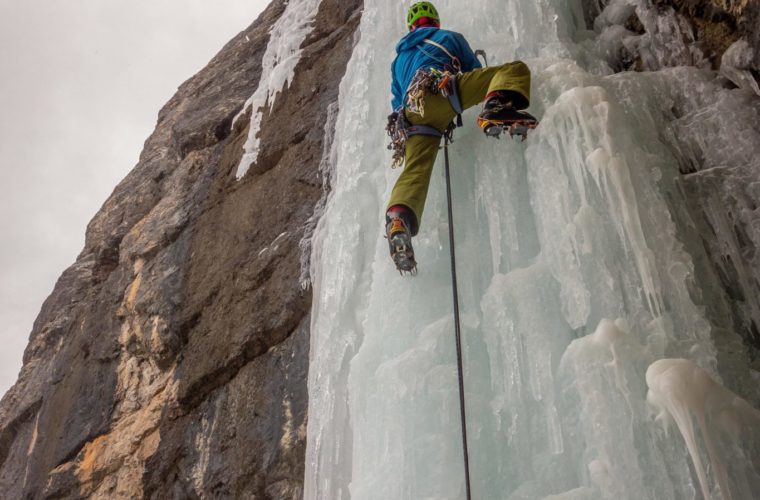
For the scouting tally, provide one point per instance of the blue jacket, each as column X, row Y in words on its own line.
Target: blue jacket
column 412, row 54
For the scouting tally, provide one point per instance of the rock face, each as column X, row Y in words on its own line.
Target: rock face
column 171, row 359
column 720, row 34
column 717, row 24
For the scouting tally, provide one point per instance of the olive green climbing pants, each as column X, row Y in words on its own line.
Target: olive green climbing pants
column 412, row 185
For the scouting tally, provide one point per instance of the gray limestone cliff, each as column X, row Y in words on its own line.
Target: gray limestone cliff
column 171, row 359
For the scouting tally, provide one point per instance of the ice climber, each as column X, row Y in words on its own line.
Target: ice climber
column 435, row 76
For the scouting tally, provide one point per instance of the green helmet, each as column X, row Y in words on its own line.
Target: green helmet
column 421, row 9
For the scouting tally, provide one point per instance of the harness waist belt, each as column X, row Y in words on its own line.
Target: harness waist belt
column 423, row 130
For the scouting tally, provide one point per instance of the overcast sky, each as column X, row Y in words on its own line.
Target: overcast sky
column 81, row 83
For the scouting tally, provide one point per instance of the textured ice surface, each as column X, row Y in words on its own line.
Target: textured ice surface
column 706, row 413
column 576, row 268
column 277, row 66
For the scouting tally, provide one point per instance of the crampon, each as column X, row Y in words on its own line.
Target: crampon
column 400, row 243
column 516, row 128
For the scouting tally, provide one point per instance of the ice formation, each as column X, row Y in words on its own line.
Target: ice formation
column 735, row 65
column 277, row 66
column 576, row 269
column 683, row 391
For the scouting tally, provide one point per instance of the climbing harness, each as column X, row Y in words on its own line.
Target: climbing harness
column 401, row 129
column 425, row 81
column 448, row 138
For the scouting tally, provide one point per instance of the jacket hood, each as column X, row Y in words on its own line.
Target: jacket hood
column 414, row 38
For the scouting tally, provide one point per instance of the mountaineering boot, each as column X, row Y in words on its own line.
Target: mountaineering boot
column 500, row 115
column 400, row 239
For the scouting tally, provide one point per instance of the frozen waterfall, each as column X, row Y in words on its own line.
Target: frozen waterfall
column 588, row 324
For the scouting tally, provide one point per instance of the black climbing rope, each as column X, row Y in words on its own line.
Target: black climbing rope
column 457, row 327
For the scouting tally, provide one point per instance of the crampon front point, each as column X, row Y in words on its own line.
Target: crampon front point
column 518, row 128
column 402, row 253
column 399, row 235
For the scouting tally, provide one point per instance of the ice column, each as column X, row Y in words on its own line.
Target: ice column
column 576, row 269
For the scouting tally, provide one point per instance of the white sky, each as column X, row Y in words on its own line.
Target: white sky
column 81, row 84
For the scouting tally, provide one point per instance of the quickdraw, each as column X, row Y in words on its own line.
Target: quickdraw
column 428, row 80
column 397, row 132
column 400, row 130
